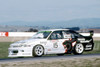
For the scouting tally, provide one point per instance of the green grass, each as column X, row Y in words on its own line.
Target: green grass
column 4, row 49
column 96, row 48
column 5, row 45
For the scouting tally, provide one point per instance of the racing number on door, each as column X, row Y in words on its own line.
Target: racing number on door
column 55, row 45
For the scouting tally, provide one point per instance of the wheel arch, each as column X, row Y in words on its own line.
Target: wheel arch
column 74, row 49
column 38, row 45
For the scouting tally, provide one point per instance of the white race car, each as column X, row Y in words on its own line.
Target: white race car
column 55, row 41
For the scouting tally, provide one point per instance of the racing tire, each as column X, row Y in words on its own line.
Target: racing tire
column 78, row 49
column 38, row 51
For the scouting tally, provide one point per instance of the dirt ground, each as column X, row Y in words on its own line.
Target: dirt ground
column 12, row 39
column 67, row 62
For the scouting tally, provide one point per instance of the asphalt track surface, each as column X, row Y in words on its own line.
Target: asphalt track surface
column 48, row 58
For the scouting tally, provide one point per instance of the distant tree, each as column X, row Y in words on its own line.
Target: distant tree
column 32, row 30
column 74, row 28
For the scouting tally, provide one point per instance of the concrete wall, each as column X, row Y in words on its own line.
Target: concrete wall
column 15, row 36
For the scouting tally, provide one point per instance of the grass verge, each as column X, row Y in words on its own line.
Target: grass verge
column 4, row 49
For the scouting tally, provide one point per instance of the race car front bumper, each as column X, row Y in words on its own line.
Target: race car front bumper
column 20, row 52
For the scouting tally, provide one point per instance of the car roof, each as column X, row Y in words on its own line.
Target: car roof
column 54, row 29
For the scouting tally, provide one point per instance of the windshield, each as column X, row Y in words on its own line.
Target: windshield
column 41, row 35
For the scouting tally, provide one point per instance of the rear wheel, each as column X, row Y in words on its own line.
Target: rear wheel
column 38, row 51
column 78, row 49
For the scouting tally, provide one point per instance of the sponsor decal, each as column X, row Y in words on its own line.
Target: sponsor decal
column 53, row 41
column 88, row 46
column 43, row 43
column 73, row 43
column 64, row 44
column 81, row 39
column 49, row 49
column 4, row 34
column 86, row 41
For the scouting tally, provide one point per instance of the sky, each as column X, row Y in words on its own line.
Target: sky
column 48, row 10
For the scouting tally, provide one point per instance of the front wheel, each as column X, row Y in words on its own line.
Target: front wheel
column 38, row 51
column 78, row 49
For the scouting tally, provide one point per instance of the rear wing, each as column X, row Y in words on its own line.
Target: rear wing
column 91, row 33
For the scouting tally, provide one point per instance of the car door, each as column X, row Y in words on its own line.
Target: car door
column 55, row 42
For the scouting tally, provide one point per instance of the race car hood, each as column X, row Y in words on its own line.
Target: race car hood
column 29, row 41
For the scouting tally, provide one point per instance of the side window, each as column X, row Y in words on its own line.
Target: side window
column 68, row 35
column 76, row 35
column 56, row 35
